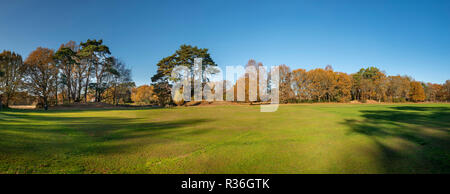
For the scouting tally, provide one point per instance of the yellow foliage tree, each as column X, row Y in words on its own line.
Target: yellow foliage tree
column 417, row 94
column 143, row 95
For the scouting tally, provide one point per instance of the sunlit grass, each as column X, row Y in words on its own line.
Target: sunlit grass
column 324, row 138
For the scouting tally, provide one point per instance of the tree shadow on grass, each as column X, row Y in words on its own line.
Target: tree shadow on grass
column 24, row 134
column 409, row 139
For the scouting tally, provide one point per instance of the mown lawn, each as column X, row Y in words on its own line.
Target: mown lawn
column 305, row 138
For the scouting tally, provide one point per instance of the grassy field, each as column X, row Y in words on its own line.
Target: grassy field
column 321, row 138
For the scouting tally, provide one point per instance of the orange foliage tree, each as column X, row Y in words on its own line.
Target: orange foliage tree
column 143, row 95
column 417, row 94
column 41, row 74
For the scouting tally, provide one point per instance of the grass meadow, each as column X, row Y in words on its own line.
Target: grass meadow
column 302, row 138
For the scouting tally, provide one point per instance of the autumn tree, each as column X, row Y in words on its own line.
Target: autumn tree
column 11, row 68
column 252, row 77
column 433, row 92
column 322, row 85
column 380, row 83
column 286, row 92
column 41, row 73
column 343, row 87
column 398, row 88
column 240, row 89
column 446, row 91
column 248, row 83
column 143, row 95
column 300, row 84
column 318, row 85
column 417, row 94
column 330, row 83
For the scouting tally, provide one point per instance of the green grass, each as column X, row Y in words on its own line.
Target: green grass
column 321, row 138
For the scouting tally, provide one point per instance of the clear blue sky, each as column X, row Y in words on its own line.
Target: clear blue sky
column 400, row 37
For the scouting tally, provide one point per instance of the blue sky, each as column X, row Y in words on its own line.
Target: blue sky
column 400, row 37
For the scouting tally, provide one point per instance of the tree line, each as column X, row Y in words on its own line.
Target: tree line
column 300, row 85
column 87, row 72
column 84, row 72
column 326, row 85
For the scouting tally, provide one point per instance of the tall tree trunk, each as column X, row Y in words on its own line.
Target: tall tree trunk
column 87, row 84
column 45, row 102
column 97, row 88
column 96, row 93
column 79, row 89
column 115, row 94
column 56, row 91
column 8, row 96
column 80, row 86
column 69, row 86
